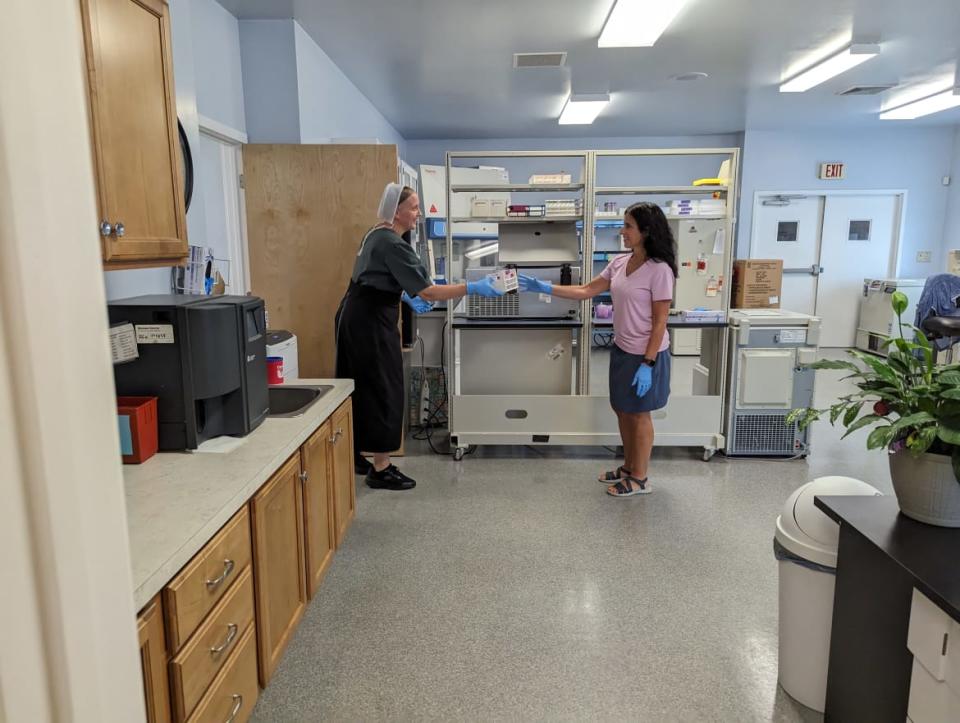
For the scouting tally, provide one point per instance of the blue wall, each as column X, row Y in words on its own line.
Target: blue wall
column 217, row 64
column 331, row 106
column 270, row 93
column 912, row 159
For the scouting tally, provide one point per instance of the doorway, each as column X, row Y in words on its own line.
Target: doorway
column 219, row 174
column 829, row 244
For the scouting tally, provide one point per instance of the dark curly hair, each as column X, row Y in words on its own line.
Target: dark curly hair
column 658, row 239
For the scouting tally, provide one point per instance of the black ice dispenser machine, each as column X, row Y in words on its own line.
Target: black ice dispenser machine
column 203, row 357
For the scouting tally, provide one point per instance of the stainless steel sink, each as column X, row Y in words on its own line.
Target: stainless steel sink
column 294, row 400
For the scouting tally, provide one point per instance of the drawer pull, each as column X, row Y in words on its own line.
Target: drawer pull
column 227, row 569
column 946, row 637
column 238, row 704
column 231, row 634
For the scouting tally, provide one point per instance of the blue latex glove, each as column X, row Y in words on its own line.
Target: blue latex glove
column 643, row 379
column 418, row 305
column 532, row 283
column 483, row 287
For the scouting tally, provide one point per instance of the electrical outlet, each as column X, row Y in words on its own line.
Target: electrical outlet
column 923, row 257
column 424, row 402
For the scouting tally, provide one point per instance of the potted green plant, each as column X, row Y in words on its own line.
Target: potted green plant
column 913, row 406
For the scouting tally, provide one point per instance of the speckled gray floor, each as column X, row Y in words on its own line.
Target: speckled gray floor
column 510, row 587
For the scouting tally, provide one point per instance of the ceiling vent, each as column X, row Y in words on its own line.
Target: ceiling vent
column 539, row 60
column 866, row 89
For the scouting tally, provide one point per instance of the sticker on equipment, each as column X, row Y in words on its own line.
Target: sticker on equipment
column 557, row 352
column 123, row 343
column 154, row 333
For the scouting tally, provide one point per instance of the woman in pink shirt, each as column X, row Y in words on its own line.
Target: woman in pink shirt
column 641, row 284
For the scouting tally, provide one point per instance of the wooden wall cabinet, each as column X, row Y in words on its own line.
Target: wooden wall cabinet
column 153, row 662
column 278, row 559
column 133, row 122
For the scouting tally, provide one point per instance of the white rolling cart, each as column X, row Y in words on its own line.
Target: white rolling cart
column 520, row 373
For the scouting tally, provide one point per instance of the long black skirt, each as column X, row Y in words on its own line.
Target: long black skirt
column 368, row 351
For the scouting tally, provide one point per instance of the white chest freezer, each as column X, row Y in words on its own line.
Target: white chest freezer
column 766, row 380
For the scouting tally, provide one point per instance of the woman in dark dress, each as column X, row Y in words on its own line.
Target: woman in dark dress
column 387, row 271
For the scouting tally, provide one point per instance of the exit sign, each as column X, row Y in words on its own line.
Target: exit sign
column 833, row 171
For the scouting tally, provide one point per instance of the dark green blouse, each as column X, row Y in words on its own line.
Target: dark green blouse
column 388, row 263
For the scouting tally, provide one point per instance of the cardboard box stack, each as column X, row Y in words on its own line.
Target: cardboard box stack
column 757, row 283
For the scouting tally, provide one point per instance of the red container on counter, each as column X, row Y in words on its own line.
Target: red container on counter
column 137, row 418
column 274, row 370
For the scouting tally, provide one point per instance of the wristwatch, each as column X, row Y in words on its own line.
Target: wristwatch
column 649, row 362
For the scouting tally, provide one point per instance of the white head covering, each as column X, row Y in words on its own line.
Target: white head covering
column 389, row 202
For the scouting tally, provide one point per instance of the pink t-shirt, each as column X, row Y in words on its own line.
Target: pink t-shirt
column 633, row 298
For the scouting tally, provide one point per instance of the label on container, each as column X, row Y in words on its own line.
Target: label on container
column 155, row 333
column 123, row 343
column 793, row 336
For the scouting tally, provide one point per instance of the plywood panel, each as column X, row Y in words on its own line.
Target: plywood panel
column 308, row 208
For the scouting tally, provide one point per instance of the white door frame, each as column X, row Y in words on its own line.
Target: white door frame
column 68, row 639
column 237, row 139
column 893, row 263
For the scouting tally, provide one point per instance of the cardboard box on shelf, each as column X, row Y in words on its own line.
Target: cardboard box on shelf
column 757, row 283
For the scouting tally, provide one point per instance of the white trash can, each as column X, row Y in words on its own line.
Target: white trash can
column 806, row 546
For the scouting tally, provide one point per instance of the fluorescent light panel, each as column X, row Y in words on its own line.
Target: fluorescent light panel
column 833, row 66
column 479, row 252
column 583, row 109
column 944, row 100
column 638, row 23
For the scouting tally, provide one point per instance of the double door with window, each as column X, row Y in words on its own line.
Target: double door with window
column 829, row 245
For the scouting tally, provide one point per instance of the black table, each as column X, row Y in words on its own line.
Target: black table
column 882, row 557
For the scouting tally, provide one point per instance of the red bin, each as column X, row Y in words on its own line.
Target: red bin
column 137, row 418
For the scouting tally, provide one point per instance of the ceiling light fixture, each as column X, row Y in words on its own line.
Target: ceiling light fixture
column 638, row 23
column 944, row 100
column 584, row 108
column 850, row 57
column 478, row 252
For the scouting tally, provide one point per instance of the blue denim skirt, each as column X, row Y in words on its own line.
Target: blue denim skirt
column 623, row 393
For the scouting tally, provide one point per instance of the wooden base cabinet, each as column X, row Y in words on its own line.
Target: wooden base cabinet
column 153, row 662
column 316, row 461
column 344, row 482
column 221, row 625
column 234, row 692
column 278, row 560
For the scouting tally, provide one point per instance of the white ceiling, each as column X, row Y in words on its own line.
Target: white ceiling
column 443, row 68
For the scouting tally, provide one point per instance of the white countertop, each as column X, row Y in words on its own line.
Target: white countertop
column 176, row 501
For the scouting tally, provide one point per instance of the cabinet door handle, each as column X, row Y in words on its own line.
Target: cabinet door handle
column 231, row 634
column 336, row 436
column 106, row 228
column 304, row 476
column 119, row 229
column 227, row 569
column 238, row 704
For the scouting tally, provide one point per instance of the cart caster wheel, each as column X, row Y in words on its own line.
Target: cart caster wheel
column 708, row 454
column 458, row 454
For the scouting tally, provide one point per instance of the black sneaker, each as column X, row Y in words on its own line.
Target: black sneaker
column 361, row 465
column 389, row 479
column 401, row 475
